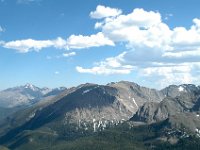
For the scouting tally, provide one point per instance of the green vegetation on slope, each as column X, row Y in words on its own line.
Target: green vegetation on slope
column 117, row 138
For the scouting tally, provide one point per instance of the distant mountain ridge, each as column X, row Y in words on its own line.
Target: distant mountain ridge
column 25, row 95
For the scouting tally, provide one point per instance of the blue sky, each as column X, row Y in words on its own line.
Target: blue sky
column 65, row 43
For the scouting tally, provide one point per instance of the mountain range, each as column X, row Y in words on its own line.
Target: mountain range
column 25, row 95
column 67, row 117
column 16, row 98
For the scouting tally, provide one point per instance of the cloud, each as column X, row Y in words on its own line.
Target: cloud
column 135, row 28
column 73, row 42
column 182, row 73
column 111, row 65
column 27, row 45
column 104, row 70
column 69, row 54
column 153, row 50
column 102, row 12
column 95, row 40
column 138, row 17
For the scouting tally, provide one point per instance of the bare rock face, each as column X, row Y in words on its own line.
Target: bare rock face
column 114, row 102
column 178, row 90
column 137, row 95
column 180, row 108
column 154, row 112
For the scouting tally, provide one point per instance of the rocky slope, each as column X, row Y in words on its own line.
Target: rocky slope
column 180, row 108
column 98, row 104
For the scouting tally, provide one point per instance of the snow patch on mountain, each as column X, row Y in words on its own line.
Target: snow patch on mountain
column 197, row 132
column 135, row 102
column 181, row 88
column 86, row 91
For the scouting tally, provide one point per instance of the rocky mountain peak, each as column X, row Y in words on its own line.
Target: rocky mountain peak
column 180, row 102
column 24, row 95
column 177, row 90
column 30, row 86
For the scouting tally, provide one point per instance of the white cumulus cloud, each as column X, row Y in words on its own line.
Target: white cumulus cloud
column 111, row 65
column 95, row 40
column 154, row 50
column 104, row 70
column 73, row 42
column 102, row 12
column 27, row 45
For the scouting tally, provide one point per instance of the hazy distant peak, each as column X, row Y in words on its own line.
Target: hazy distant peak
column 30, row 86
